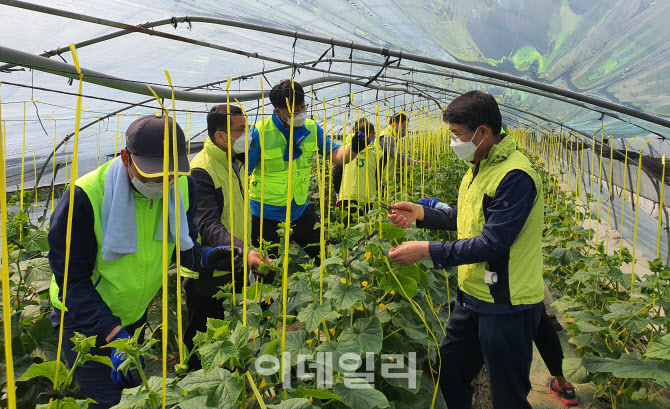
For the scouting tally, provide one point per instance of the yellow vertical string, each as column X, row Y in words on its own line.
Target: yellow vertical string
column 609, row 193
column 287, row 231
column 322, row 202
column 637, row 212
column 23, row 155
column 166, row 181
column 245, row 183
column 623, row 192
column 600, row 184
column 6, row 302
column 262, row 146
column 660, row 209
column 230, row 193
column 116, row 141
column 73, row 178
column 177, row 212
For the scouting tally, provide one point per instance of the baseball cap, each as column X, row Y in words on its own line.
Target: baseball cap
column 145, row 141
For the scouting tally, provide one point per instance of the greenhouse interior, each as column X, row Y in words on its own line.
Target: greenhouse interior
column 446, row 204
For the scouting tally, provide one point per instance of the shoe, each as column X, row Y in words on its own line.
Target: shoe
column 557, row 325
column 567, row 395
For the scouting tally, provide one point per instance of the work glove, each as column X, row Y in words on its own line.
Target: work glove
column 432, row 203
column 131, row 378
column 359, row 142
column 218, row 258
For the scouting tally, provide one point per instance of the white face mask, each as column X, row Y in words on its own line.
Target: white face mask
column 150, row 190
column 299, row 119
column 465, row 150
column 240, row 144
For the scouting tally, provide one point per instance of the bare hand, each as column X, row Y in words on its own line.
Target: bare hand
column 404, row 213
column 409, row 252
column 254, row 259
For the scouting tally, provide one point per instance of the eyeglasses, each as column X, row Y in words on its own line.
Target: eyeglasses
column 457, row 136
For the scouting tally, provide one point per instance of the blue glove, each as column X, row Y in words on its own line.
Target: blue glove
column 132, row 378
column 428, row 202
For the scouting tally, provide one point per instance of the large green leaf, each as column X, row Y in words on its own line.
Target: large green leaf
column 392, row 232
column 659, row 348
column 403, row 285
column 216, row 354
column 296, row 345
column 48, row 370
column 622, row 310
column 240, row 340
column 312, row 315
column 221, row 386
column 36, row 240
column 345, row 295
column 574, row 371
column 296, row 403
column 628, row 366
column 366, row 333
column 337, row 350
column 363, row 397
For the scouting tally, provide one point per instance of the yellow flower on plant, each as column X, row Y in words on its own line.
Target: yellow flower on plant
column 311, row 399
column 382, row 306
column 391, row 359
column 263, row 383
column 368, row 255
column 343, row 280
column 360, row 308
column 268, row 299
column 332, row 331
column 364, row 283
column 392, row 292
column 309, row 342
column 601, row 263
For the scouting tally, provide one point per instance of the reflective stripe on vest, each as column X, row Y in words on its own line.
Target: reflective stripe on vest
column 521, row 283
column 129, row 284
column 276, row 168
column 214, row 161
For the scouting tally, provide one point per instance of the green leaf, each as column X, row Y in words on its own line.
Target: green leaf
column 403, row 283
column 659, row 348
column 366, row 333
column 585, row 326
column 628, row 366
column 240, row 340
column 322, row 394
column 345, row 295
column 392, row 232
column 222, row 388
column 48, row 370
column 622, row 310
column 216, row 354
column 299, row 403
column 312, row 315
column 338, row 349
column 363, row 397
column 36, row 240
column 296, row 344
column 574, row 371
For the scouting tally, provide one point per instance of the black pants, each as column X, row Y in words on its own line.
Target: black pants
column 338, row 170
column 304, row 233
column 549, row 345
column 201, row 305
column 503, row 342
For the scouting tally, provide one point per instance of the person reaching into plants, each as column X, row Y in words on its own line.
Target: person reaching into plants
column 270, row 147
column 359, row 179
column 499, row 219
column 546, row 340
column 116, row 242
column 226, row 126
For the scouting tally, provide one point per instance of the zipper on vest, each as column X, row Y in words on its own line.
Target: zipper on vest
column 151, row 204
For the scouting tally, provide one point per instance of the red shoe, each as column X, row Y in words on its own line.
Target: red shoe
column 567, row 395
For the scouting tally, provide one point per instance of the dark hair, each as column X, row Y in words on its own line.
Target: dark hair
column 474, row 109
column 217, row 118
column 283, row 91
column 398, row 118
column 365, row 126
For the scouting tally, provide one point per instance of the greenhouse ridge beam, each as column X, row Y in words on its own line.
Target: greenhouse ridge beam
column 354, row 46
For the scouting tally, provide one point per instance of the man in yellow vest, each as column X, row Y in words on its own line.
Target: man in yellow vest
column 269, row 186
column 359, row 178
column 211, row 170
column 116, row 258
column 397, row 128
column 499, row 219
